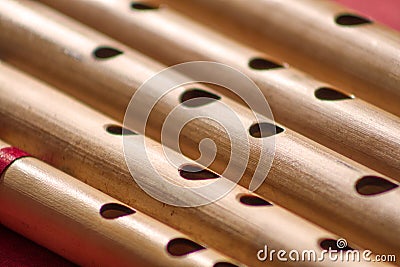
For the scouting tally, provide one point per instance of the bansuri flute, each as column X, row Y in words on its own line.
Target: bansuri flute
column 295, row 180
column 328, row 40
column 356, row 129
column 85, row 225
column 240, row 224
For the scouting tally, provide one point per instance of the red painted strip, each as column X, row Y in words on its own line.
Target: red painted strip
column 8, row 155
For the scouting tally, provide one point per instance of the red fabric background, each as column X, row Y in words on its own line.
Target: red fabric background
column 17, row 251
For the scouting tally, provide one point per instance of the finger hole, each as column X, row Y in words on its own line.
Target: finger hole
column 142, row 6
column 115, row 210
column 182, row 246
column 351, row 20
column 197, row 97
column 224, row 264
column 263, row 64
column 106, row 52
column 118, row 130
column 330, row 94
column 374, row 185
column 252, row 200
column 332, row 244
column 196, row 172
column 264, row 129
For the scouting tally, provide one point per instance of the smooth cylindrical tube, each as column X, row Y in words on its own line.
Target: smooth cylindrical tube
column 323, row 38
column 85, row 225
column 353, row 128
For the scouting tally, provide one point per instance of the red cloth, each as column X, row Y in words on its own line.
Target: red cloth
column 17, row 251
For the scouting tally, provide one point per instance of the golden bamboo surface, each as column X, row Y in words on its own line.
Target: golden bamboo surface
column 356, row 129
column 79, row 144
column 89, row 227
column 306, row 178
column 327, row 40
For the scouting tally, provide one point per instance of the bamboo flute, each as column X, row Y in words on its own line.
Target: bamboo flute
column 84, row 225
column 327, row 40
column 356, row 129
column 295, row 181
column 78, row 144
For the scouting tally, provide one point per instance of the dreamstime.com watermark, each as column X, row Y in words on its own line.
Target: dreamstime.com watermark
column 334, row 255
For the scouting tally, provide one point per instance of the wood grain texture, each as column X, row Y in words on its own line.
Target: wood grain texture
column 64, row 215
column 349, row 126
column 306, row 178
column 361, row 58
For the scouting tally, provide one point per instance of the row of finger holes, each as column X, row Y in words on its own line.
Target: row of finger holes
column 259, row 63
column 345, row 19
column 182, row 246
column 193, row 172
column 367, row 185
column 175, row 247
column 197, row 97
column 188, row 98
column 196, row 172
column 179, row 247
column 257, row 130
column 323, row 93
